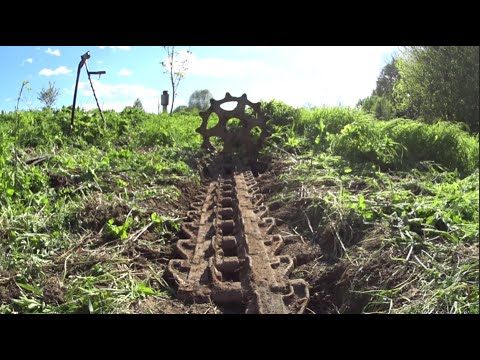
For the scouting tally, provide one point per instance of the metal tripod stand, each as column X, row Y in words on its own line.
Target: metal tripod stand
column 83, row 61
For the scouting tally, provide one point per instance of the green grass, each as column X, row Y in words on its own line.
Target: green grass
column 423, row 224
column 89, row 228
column 80, row 219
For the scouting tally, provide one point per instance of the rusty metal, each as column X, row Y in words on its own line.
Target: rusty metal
column 229, row 254
column 83, row 62
column 233, row 140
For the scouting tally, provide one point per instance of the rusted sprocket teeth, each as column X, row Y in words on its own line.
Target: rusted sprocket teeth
column 242, row 136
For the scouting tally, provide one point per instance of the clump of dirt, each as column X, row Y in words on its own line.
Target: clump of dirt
column 268, row 181
column 327, row 285
column 173, row 207
column 8, row 289
column 292, row 213
column 58, row 181
column 53, row 292
column 189, row 190
column 339, row 233
column 96, row 214
column 357, row 185
column 300, row 251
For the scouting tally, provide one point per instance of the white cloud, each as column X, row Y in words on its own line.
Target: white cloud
column 110, row 91
column 124, row 48
column 219, row 67
column 29, row 60
column 61, row 70
column 296, row 75
column 99, row 61
column 7, row 99
column 338, row 75
column 55, row 52
column 118, row 96
column 125, row 72
column 253, row 49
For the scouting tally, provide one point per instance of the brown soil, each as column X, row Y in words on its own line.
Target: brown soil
column 8, row 289
column 343, row 286
column 96, row 214
column 53, row 292
column 300, row 251
column 172, row 306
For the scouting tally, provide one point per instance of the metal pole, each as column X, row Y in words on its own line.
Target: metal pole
column 84, row 58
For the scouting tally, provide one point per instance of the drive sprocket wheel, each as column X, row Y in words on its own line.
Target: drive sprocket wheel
column 242, row 136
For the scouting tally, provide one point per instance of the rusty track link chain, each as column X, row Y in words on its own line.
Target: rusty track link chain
column 229, row 255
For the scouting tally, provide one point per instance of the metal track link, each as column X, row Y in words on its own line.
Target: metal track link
column 229, row 254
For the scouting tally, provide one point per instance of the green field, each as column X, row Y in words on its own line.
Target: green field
column 87, row 219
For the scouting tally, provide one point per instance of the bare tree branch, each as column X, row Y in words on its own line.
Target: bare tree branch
column 176, row 68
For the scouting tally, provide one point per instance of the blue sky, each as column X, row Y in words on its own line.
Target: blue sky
column 298, row 76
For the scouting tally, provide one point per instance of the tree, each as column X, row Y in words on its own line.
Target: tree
column 138, row 105
column 176, row 66
column 439, row 82
column 49, row 96
column 380, row 102
column 387, row 79
column 380, row 106
column 200, row 99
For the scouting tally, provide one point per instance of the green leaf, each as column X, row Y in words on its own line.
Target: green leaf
column 144, row 289
column 155, row 218
column 361, row 202
column 368, row 215
column 321, row 126
column 26, row 287
column 31, row 288
column 347, row 170
column 10, row 191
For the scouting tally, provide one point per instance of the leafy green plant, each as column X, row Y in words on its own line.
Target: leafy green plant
column 118, row 231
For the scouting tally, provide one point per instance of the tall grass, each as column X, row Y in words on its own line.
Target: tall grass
column 399, row 144
column 403, row 144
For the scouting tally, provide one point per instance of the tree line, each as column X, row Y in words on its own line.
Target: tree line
column 429, row 83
